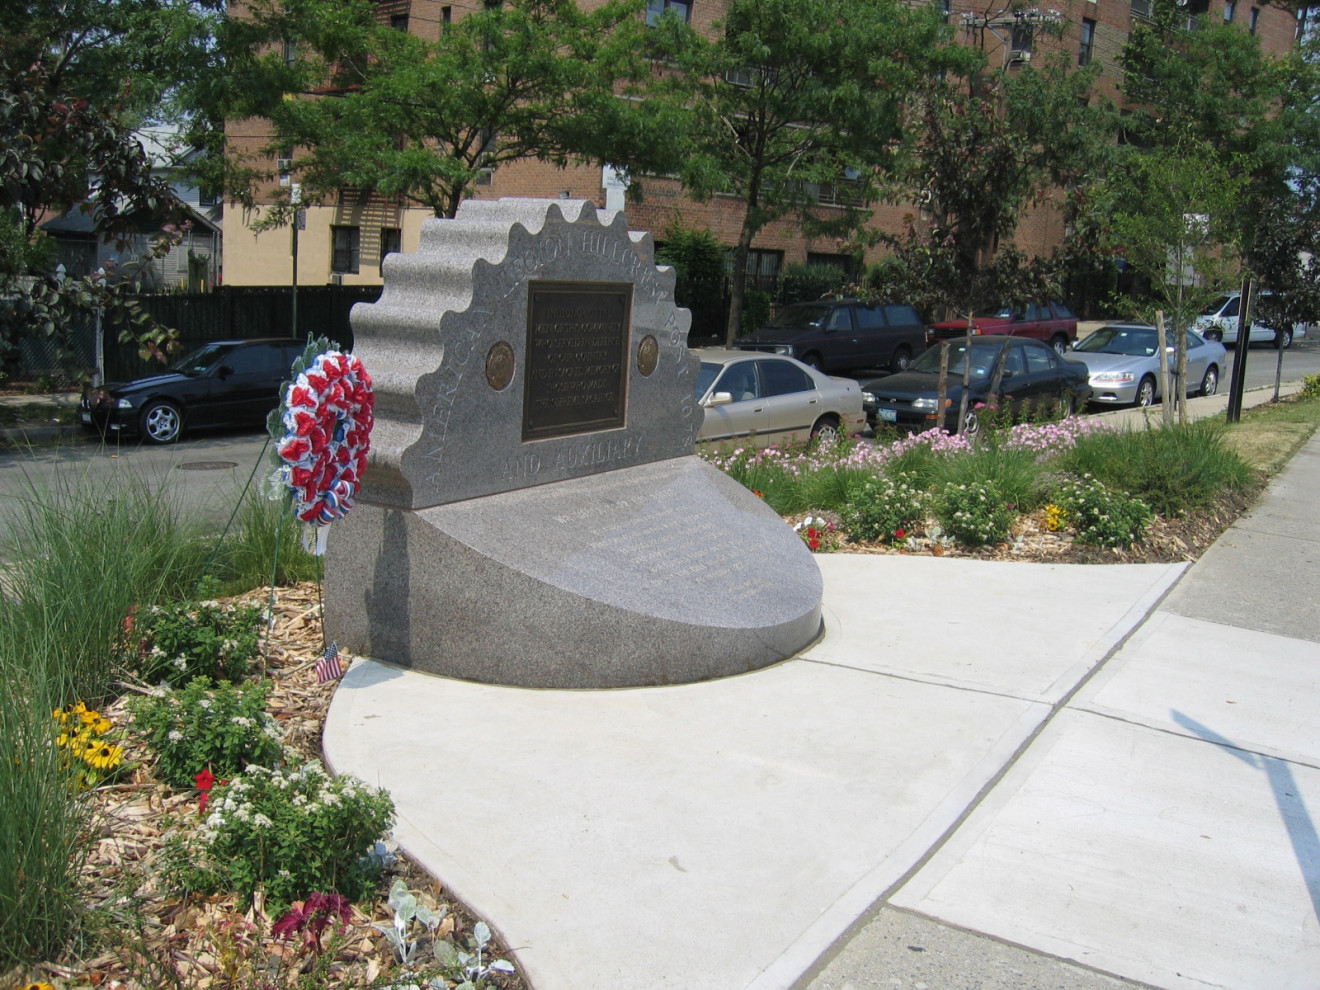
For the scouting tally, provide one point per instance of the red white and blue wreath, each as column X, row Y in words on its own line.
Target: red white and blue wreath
column 322, row 433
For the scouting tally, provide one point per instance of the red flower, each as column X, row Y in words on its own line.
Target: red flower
column 813, row 543
column 900, row 534
column 205, row 780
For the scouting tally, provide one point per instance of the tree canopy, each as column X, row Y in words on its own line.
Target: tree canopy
column 357, row 103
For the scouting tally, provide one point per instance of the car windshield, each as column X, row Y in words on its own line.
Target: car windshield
column 994, row 313
column 705, row 376
column 1218, row 305
column 801, row 316
column 200, row 360
column 983, row 359
column 1132, row 341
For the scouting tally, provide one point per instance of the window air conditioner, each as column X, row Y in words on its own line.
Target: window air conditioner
column 336, row 279
column 284, row 164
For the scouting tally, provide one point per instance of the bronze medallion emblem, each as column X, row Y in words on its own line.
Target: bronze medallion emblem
column 499, row 365
column 648, row 355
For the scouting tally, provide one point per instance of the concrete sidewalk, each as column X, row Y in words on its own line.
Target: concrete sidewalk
column 1079, row 777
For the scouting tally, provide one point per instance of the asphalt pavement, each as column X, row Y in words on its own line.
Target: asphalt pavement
column 984, row 775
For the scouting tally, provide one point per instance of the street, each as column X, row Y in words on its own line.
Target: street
column 210, row 469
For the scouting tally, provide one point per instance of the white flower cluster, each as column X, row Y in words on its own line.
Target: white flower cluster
column 308, row 788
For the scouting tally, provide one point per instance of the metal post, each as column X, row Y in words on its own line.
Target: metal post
column 1238, row 384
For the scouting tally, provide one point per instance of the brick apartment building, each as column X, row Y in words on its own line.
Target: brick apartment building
column 345, row 242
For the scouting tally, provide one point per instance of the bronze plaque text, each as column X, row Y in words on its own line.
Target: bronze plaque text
column 577, row 358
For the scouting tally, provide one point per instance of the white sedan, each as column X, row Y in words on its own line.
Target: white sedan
column 773, row 398
column 1124, row 367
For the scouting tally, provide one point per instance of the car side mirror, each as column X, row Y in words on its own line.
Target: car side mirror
column 719, row 399
column 224, row 371
column 1008, row 373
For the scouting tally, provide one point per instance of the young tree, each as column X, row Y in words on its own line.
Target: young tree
column 795, row 97
column 360, row 104
column 65, row 141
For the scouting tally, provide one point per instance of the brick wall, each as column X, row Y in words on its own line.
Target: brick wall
column 266, row 259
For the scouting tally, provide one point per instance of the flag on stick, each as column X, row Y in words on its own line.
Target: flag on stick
column 328, row 668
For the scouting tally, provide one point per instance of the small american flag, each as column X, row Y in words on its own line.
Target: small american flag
column 328, row 667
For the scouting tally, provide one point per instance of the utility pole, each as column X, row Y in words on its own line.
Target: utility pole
column 299, row 219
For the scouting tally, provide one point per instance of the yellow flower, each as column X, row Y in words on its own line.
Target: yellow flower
column 103, row 756
column 62, row 740
column 89, row 717
column 37, row 986
column 102, row 726
column 61, row 716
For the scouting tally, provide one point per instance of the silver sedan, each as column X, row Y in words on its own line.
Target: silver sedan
column 773, row 398
column 1124, row 366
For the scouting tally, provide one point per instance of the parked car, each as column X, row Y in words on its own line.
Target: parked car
column 1008, row 372
column 224, row 383
column 1052, row 322
column 842, row 335
column 1123, row 363
column 773, row 398
column 1220, row 323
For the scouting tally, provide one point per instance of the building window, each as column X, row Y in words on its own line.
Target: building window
column 1230, row 8
column 399, row 22
column 347, row 243
column 391, row 242
column 762, row 268
column 1020, row 38
column 446, row 15
column 290, row 51
column 1141, row 8
column 1255, row 15
column 655, row 9
column 1088, row 42
column 946, row 10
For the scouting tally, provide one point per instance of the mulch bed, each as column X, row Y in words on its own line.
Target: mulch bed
column 207, row 942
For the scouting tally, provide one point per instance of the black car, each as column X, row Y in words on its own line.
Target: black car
column 837, row 335
column 1015, row 372
column 223, row 383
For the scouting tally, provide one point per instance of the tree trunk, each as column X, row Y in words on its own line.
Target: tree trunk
column 738, row 286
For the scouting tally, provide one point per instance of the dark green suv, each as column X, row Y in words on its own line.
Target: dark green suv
column 837, row 335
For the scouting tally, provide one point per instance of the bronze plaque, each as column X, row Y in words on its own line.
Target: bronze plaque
column 499, row 365
column 648, row 355
column 577, row 357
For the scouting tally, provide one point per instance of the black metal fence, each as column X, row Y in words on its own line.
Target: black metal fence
column 231, row 312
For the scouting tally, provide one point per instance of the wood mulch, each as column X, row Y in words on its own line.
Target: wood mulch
column 203, row 942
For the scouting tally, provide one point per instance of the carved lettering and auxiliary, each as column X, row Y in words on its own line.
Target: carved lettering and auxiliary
column 577, row 346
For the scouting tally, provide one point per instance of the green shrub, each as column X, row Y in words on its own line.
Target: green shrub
column 265, row 546
column 81, row 551
column 974, row 513
column 881, row 507
column 1174, row 470
column 294, row 832
column 224, row 728
column 804, row 283
column 756, row 310
column 1101, row 516
column 1015, row 473
column 177, row 642
column 43, row 820
column 1311, row 387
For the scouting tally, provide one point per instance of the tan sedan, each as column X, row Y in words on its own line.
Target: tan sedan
column 773, row 399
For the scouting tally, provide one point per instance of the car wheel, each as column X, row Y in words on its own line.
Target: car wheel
column 1060, row 344
column 971, row 424
column 1067, row 404
column 826, row 430
column 901, row 361
column 812, row 360
column 1146, row 392
column 161, row 422
column 1210, row 383
column 1283, row 340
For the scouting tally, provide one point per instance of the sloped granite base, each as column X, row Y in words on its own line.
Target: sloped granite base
column 663, row 573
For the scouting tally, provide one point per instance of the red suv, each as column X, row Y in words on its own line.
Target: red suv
column 1053, row 323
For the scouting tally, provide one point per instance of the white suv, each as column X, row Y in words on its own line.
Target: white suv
column 1221, row 323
